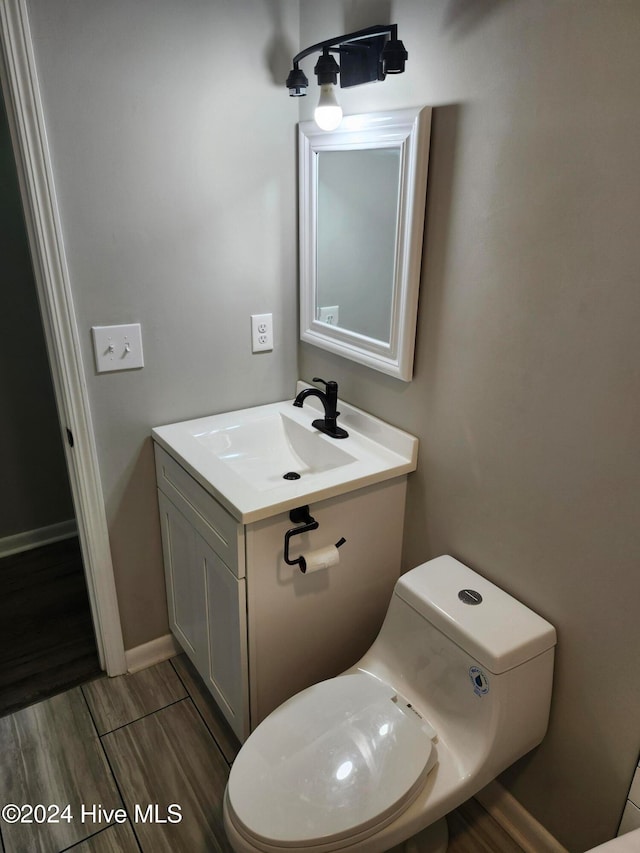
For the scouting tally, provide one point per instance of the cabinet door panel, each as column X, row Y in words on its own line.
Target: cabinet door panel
column 207, row 516
column 226, row 610
column 185, row 580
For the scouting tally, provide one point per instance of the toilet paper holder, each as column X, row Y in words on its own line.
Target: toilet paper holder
column 301, row 516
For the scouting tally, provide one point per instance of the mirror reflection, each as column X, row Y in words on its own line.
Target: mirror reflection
column 357, row 213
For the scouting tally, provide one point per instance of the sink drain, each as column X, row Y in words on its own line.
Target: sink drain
column 291, row 475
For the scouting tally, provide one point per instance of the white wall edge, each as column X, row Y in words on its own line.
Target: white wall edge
column 25, row 113
column 155, row 651
column 517, row 821
column 30, row 539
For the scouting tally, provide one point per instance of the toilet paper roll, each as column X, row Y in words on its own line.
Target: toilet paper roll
column 321, row 558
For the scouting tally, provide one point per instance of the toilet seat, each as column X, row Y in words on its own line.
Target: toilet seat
column 340, row 759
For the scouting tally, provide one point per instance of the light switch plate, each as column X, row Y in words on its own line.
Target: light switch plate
column 117, row 347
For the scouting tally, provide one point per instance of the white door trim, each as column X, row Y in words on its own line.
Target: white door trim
column 28, row 132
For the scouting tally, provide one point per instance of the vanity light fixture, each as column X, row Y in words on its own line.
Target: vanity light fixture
column 365, row 55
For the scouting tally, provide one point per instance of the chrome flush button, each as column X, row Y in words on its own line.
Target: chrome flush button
column 470, row 596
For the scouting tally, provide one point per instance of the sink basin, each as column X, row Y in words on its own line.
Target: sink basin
column 265, row 460
column 271, row 446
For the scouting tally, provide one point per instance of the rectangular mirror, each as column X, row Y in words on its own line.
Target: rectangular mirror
column 362, row 201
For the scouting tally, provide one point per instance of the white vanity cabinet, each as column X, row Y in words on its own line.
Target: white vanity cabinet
column 257, row 629
column 203, row 547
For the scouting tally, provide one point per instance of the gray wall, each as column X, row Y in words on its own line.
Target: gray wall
column 526, row 391
column 173, row 150
column 34, row 487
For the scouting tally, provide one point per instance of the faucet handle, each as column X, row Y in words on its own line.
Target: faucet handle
column 328, row 385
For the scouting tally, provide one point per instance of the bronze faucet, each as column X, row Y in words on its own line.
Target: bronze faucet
column 329, row 399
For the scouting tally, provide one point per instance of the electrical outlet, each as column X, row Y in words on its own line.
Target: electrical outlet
column 329, row 315
column 261, row 332
column 117, row 347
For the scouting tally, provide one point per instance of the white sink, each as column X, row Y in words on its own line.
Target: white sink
column 242, row 457
column 265, row 446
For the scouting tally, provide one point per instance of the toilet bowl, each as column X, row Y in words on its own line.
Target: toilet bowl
column 455, row 688
column 627, row 843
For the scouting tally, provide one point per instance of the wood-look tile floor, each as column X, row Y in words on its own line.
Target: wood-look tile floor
column 47, row 643
column 142, row 762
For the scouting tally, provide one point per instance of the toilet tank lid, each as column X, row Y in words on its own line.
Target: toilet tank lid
column 499, row 631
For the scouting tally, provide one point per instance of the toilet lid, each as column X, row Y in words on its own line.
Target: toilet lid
column 339, row 758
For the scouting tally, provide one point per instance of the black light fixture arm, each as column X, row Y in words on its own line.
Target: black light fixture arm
column 365, row 55
column 337, row 44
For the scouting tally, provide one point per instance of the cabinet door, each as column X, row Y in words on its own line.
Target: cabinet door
column 227, row 641
column 185, row 582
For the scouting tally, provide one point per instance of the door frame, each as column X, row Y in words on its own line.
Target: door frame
column 18, row 75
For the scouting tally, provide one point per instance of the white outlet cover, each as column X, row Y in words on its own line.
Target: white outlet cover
column 117, row 347
column 329, row 315
column 261, row 332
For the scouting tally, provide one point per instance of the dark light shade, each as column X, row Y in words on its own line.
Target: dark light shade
column 327, row 69
column 394, row 57
column 297, row 83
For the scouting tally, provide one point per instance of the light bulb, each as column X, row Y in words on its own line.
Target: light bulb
column 328, row 113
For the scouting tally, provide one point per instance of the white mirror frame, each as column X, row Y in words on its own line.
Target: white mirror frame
column 407, row 130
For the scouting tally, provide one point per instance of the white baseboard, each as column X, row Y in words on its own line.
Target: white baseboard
column 517, row 821
column 36, row 538
column 148, row 654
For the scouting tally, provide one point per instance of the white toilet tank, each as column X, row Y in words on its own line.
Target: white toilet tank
column 475, row 662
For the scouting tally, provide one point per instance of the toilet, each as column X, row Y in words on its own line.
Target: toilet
column 455, row 688
column 627, row 843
